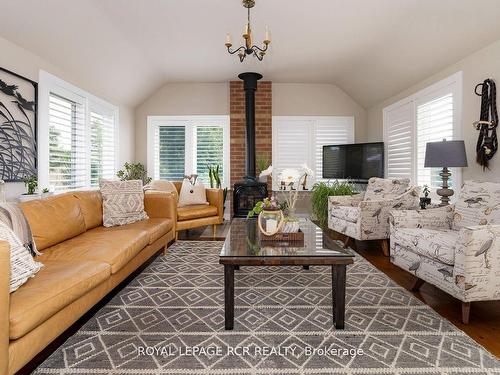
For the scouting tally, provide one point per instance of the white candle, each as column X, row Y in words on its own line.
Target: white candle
column 268, row 36
column 271, row 225
column 228, row 39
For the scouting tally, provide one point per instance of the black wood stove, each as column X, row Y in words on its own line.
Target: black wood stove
column 249, row 191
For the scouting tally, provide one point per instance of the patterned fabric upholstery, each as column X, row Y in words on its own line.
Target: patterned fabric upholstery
column 436, row 244
column 473, row 228
column 345, row 212
column 368, row 219
column 122, row 202
column 384, row 188
column 478, row 204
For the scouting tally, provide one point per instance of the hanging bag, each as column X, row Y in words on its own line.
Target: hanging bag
column 487, row 142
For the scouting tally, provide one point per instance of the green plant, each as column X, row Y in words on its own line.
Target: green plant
column 134, row 171
column 31, row 184
column 215, row 182
column 45, row 190
column 319, row 199
column 266, row 203
column 262, row 162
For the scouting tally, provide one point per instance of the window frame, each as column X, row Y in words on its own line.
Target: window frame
column 312, row 122
column 452, row 84
column 190, row 122
column 49, row 83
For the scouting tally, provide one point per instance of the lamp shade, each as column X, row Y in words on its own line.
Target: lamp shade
column 445, row 154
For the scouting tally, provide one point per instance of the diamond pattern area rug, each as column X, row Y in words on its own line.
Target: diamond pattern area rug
column 170, row 320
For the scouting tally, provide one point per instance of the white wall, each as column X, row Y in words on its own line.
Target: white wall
column 25, row 63
column 289, row 99
column 476, row 67
column 304, row 99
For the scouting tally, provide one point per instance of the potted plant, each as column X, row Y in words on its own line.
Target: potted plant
column 262, row 164
column 134, row 171
column 215, row 182
column 319, row 198
column 425, row 200
column 46, row 193
column 31, row 184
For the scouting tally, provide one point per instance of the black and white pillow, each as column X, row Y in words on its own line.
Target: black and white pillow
column 22, row 264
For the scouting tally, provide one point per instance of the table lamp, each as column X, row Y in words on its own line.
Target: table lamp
column 445, row 154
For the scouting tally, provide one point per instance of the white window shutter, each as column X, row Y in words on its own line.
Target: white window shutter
column 102, row 145
column 434, row 123
column 170, row 151
column 292, row 144
column 209, row 151
column 330, row 131
column 399, row 141
column 67, row 144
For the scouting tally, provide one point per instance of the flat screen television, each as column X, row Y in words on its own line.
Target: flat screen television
column 357, row 161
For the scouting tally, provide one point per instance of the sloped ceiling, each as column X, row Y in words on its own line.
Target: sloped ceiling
column 372, row 49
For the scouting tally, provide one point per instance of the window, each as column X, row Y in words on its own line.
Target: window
column 300, row 139
column 430, row 115
column 183, row 145
column 77, row 137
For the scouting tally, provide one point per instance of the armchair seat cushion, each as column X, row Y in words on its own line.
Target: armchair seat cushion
column 347, row 213
column 431, row 243
column 57, row 285
column 195, row 211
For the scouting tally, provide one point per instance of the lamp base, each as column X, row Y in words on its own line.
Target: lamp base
column 445, row 192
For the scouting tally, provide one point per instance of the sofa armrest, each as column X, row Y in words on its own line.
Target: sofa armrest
column 477, row 262
column 346, row 200
column 4, row 305
column 215, row 197
column 160, row 204
column 434, row 218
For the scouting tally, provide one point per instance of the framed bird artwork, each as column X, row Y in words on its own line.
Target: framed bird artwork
column 18, row 126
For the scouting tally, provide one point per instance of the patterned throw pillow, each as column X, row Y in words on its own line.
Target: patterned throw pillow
column 13, row 216
column 192, row 194
column 478, row 204
column 122, row 202
column 22, row 264
column 385, row 188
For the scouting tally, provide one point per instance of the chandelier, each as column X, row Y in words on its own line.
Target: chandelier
column 248, row 48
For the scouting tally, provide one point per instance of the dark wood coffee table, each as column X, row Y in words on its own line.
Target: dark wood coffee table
column 243, row 247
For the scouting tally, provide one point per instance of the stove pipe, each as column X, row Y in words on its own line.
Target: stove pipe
column 250, row 86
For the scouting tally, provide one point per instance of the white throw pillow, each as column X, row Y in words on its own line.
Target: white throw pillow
column 192, row 194
column 22, row 264
column 122, row 202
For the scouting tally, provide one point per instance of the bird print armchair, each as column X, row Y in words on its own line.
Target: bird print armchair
column 365, row 216
column 455, row 248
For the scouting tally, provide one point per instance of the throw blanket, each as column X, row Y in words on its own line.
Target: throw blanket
column 12, row 216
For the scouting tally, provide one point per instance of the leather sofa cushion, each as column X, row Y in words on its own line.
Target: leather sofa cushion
column 155, row 227
column 195, row 211
column 57, row 285
column 91, row 205
column 55, row 219
column 431, row 243
column 115, row 248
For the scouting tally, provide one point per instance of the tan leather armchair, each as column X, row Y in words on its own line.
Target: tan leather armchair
column 200, row 215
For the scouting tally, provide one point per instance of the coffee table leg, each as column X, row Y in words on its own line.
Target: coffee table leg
column 305, row 267
column 229, row 296
column 338, row 281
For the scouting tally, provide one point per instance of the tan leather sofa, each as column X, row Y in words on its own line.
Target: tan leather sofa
column 200, row 215
column 83, row 261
